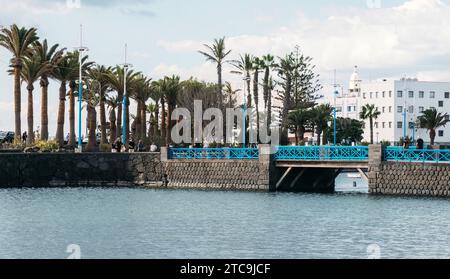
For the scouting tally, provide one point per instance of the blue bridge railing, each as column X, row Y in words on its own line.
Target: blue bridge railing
column 323, row 153
column 214, row 153
column 399, row 154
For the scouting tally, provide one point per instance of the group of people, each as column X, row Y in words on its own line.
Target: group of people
column 419, row 144
column 118, row 147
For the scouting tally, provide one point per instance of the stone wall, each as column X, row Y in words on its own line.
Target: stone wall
column 87, row 169
column 243, row 175
column 415, row 179
column 407, row 179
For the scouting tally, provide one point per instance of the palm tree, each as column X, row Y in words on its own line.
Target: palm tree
column 157, row 97
column 141, row 94
column 92, row 99
column 270, row 87
column 99, row 74
column 370, row 112
column 116, row 81
column 32, row 69
column 158, row 89
column 321, row 115
column 257, row 67
column 53, row 57
column 153, row 123
column 267, row 63
column 244, row 66
column 19, row 42
column 171, row 87
column 66, row 71
column 230, row 92
column 112, row 102
column 217, row 54
column 299, row 119
column 432, row 120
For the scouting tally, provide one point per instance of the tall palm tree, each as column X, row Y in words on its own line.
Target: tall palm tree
column 217, row 53
column 152, row 109
column 32, row 69
column 432, row 120
column 244, row 66
column 19, row 42
column 257, row 67
column 371, row 113
column 112, row 102
column 157, row 97
column 158, row 89
column 321, row 115
column 52, row 56
column 269, row 87
column 100, row 75
column 268, row 63
column 66, row 71
column 141, row 94
column 92, row 99
column 171, row 88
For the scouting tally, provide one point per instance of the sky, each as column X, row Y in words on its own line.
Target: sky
column 385, row 38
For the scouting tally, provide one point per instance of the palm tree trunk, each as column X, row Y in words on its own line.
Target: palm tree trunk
column 143, row 121
column 266, row 87
column 17, row 102
column 432, row 136
column 249, row 92
column 219, row 75
column 44, row 109
column 30, row 116
column 127, row 124
column 269, row 109
column 119, row 117
column 296, row 135
column 156, row 127
column 92, row 127
column 72, row 138
column 319, row 136
column 61, row 114
column 104, row 138
column 113, row 128
column 169, row 124
column 256, row 98
column 138, row 133
column 371, row 130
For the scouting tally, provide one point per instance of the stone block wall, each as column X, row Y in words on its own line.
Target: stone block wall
column 411, row 179
column 218, row 175
column 86, row 169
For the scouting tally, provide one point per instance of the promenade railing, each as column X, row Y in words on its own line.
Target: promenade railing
column 399, row 154
column 322, row 153
column 213, row 153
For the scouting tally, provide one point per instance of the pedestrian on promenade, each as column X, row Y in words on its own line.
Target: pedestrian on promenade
column 118, row 145
column 24, row 136
column 420, row 144
column 141, row 146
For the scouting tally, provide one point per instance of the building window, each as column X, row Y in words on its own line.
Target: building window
column 376, row 125
column 383, row 109
column 384, row 125
column 400, row 125
column 447, row 95
column 421, row 94
column 399, row 94
column 349, row 109
column 364, row 95
column 371, row 95
column 383, row 94
column 441, row 133
column 354, row 108
column 411, row 94
column 376, row 95
column 447, row 117
column 432, row 94
column 390, row 124
column 399, row 109
column 421, row 109
column 441, row 104
column 390, row 109
column 390, row 94
column 411, row 109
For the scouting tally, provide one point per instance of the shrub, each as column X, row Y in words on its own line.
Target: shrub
column 385, row 143
column 105, row 148
column 365, row 143
column 47, row 146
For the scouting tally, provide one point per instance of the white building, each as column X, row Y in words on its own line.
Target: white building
column 400, row 103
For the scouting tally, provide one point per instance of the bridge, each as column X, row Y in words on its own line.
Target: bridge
column 310, row 168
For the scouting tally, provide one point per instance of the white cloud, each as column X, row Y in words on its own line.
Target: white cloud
column 372, row 38
column 34, row 7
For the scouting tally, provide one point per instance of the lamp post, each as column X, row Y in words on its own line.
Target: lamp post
column 124, row 101
column 80, row 49
column 244, row 111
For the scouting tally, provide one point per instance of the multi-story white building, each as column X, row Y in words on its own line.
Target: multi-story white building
column 400, row 103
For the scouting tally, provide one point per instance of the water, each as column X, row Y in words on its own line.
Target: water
column 142, row 223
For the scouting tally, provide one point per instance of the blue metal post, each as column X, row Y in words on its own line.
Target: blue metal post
column 244, row 134
column 80, row 98
column 335, row 116
column 124, row 120
column 414, row 132
column 404, row 124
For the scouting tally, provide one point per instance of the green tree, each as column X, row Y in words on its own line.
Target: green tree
column 112, row 102
column 432, row 120
column 244, row 67
column 371, row 113
column 347, row 130
column 321, row 116
column 298, row 120
column 32, row 69
column 52, row 56
column 217, row 53
column 19, row 42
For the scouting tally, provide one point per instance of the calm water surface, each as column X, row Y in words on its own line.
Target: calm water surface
column 140, row 223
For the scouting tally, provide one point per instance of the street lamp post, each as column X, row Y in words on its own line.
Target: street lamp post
column 124, row 101
column 80, row 49
column 244, row 111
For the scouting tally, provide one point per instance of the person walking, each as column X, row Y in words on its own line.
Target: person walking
column 24, row 137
